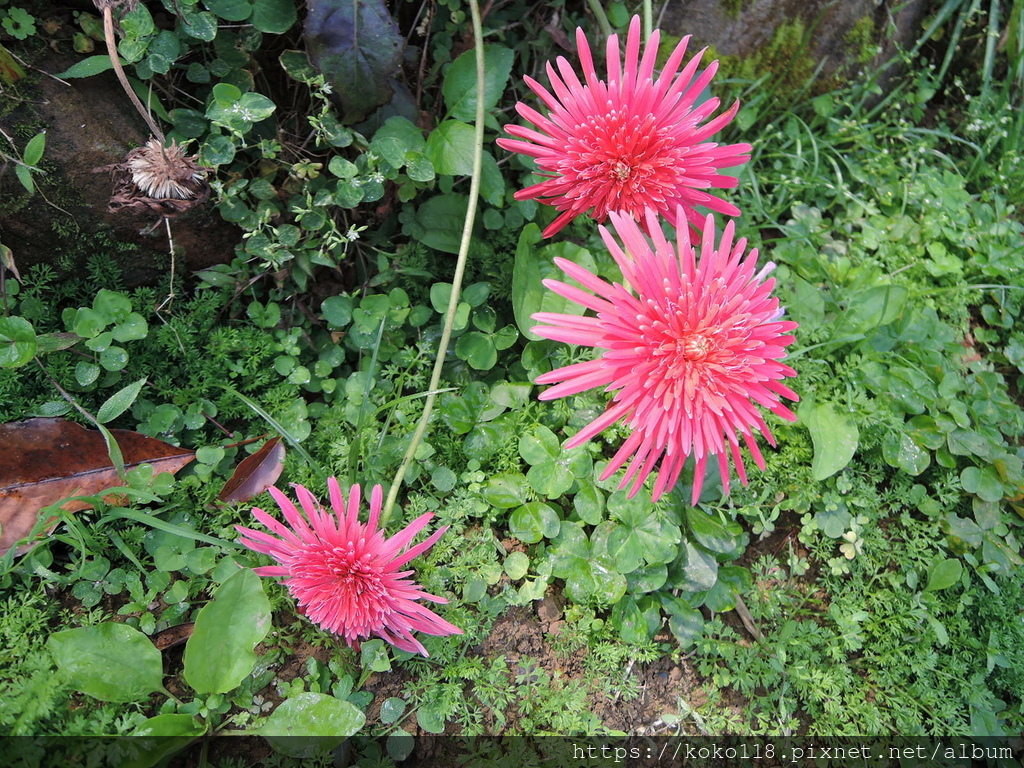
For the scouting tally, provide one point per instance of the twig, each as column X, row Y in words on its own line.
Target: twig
column 108, row 32
column 170, row 289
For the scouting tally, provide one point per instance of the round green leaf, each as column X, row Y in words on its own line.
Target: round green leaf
column 391, row 709
column 534, row 521
column 109, row 661
column 133, row 327
column 594, row 580
column 984, row 483
column 477, row 349
column 589, row 504
column 219, row 654
column 310, row 724
column 86, row 373
column 550, row 479
column 539, row 445
column 506, row 491
column 711, row 533
column 17, row 342
column 517, row 564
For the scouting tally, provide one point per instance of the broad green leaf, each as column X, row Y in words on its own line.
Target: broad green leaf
column 870, row 308
column 695, row 570
column 391, row 709
column 944, row 574
column 18, row 342
column 160, row 737
column 442, row 219
column 108, row 661
column 119, row 402
column 219, row 654
column 309, row 724
column 396, row 138
column 711, row 533
column 297, row 65
column 460, row 85
column 589, row 504
column 532, row 266
column 636, row 623
column 274, row 17
column 477, row 349
column 835, row 437
column 506, row 491
column 685, row 622
column 594, row 580
column 230, row 10
column 534, row 521
column 901, row 451
column 983, row 482
column 450, row 148
column 517, row 565
column 539, row 445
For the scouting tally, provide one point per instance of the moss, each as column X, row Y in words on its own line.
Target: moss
column 861, row 40
column 733, row 8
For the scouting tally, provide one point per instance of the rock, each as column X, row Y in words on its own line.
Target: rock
column 90, row 123
column 549, row 610
column 837, row 31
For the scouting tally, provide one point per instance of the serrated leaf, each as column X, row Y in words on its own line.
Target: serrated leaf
column 460, row 83
column 450, row 148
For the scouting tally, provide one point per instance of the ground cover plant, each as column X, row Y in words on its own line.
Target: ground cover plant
column 479, row 318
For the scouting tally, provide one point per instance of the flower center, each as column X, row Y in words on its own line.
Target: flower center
column 696, row 347
column 342, row 575
column 622, row 171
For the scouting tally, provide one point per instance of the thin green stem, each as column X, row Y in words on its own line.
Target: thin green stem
column 602, row 18
column 648, row 19
column 460, row 269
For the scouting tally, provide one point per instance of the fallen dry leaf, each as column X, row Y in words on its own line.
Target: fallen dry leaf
column 45, row 460
column 255, row 473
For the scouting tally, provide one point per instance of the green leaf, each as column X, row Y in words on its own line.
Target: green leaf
column 517, row 565
column 18, row 343
column 133, row 328
column 506, row 491
column 539, row 445
column 899, row 450
column 477, row 349
column 944, row 574
column 711, row 533
column 442, row 219
column 460, row 86
column 309, row 724
column 119, row 402
column 594, row 579
column 391, row 709
column 534, row 521
column 108, row 661
column 532, row 266
column 274, row 17
column 396, row 138
column 230, row 10
column 870, row 308
column 34, row 149
column 87, row 67
column 160, row 737
column 296, row 64
column 835, row 437
column 984, row 483
column 450, row 148
column 219, row 654
column 686, row 623
column 695, row 570
column 25, row 177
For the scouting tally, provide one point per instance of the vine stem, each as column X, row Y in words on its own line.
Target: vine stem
column 108, row 33
column 460, row 269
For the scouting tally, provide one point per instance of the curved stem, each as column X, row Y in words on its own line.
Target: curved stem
column 108, row 33
column 602, row 17
column 460, row 269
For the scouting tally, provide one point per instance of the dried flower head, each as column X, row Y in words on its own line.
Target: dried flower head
column 165, row 172
column 634, row 142
column 690, row 355
column 160, row 179
column 345, row 575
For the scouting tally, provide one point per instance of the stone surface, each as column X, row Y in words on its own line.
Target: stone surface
column 90, row 123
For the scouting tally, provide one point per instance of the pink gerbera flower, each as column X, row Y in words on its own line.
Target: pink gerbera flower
column 689, row 356
column 345, row 575
column 636, row 141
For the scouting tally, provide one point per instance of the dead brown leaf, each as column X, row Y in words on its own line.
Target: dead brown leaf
column 255, row 473
column 45, row 460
